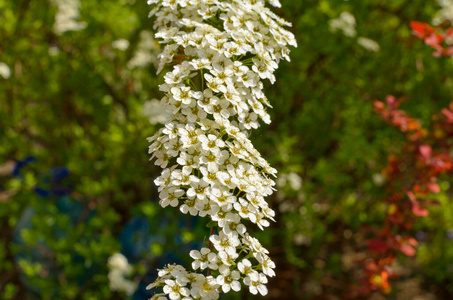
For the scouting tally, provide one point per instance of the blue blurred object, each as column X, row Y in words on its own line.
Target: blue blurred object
column 43, row 193
column 50, row 187
column 55, row 187
column 168, row 258
column 72, row 208
column 22, row 163
column 40, row 252
column 142, row 293
column 449, row 234
column 59, row 173
column 136, row 238
column 420, row 235
column 141, row 232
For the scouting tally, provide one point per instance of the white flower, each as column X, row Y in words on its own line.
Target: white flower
column 183, row 177
column 229, row 280
column 221, row 196
column 227, row 259
column 66, row 18
column 206, row 289
column 254, row 244
column 267, row 264
column 445, row 13
column 378, row 179
column 198, row 190
column 119, row 269
column 121, row 44
column 164, row 179
column 256, row 283
column 207, row 208
column 345, row 22
column 246, row 210
column 232, row 225
column 158, row 297
column 210, row 173
column 245, row 267
column 189, row 206
column 5, row 71
column 368, row 44
column 173, row 270
column 154, row 111
column 170, row 196
column 295, row 181
column 223, row 242
column 119, row 261
column 175, row 288
column 146, row 51
column 203, row 259
column 211, row 143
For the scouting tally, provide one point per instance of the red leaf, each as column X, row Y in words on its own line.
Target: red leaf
column 432, row 202
column 449, row 33
column 378, row 246
column 448, row 51
column 372, row 266
column 433, row 187
column 421, row 29
column 407, row 249
column 411, row 196
column 425, row 151
column 434, row 41
column 391, row 101
column 448, row 114
column 379, row 105
column 419, row 211
column 412, row 241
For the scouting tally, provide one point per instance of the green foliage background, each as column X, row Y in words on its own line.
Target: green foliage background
column 73, row 100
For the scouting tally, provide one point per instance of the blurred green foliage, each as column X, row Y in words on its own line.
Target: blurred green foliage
column 76, row 98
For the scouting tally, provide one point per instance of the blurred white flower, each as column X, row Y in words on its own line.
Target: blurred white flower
column 119, row 261
column 295, row 181
column 301, row 239
column 378, row 179
column 5, row 71
column 445, row 13
column 156, row 113
column 121, row 44
column 281, row 180
column 53, row 50
column 66, row 18
column 146, row 51
column 292, row 179
column 345, row 22
column 119, row 269
column 368, row 44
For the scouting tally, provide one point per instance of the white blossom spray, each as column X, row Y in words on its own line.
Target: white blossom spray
column 218, row 52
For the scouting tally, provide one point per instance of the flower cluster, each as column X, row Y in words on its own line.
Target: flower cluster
column 66, row 18
column 445, row 14
column 219, row 53
column 119, row 270
column 346, row 23
column 5, row 71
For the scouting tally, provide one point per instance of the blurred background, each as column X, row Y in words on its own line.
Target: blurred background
column 79, row 213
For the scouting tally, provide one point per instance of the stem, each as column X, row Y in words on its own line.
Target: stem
column 210, row 245
column 210, row 234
